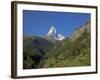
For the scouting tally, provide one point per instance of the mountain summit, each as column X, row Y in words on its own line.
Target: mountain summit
column 52, row 31
column 52, row 34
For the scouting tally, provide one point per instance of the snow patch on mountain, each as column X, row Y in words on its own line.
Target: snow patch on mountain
column 60, row 37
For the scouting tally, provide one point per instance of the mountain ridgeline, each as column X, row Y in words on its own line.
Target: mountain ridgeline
column 54, row 50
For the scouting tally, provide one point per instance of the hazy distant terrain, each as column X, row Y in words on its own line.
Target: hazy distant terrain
column 46, row 52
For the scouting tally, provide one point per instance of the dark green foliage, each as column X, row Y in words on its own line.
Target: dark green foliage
column 34, row 49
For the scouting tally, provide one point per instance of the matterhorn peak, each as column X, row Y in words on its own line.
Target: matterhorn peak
column 52, row 33
column 52, row 30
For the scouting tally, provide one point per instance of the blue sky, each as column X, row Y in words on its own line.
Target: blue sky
column 39, row 22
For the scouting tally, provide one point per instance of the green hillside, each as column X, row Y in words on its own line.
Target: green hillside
column 70, row 52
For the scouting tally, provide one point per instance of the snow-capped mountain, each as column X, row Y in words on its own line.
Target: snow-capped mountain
column 52, row 33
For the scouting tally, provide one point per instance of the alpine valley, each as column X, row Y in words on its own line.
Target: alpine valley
column 55, row 50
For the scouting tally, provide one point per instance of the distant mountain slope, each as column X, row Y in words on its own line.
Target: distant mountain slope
column 79, row 31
